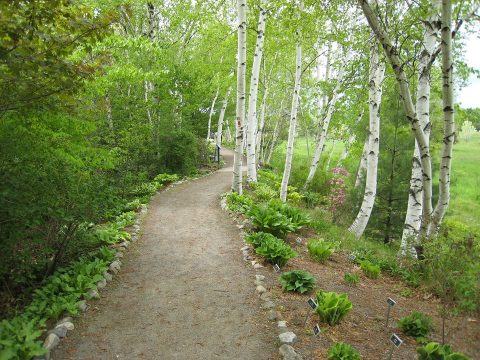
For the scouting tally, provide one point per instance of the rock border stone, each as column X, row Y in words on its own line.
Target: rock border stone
column 285, row 336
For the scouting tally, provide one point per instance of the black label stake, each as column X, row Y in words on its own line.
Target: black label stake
column 390, row 303
column 313, row 305
column 396, row 341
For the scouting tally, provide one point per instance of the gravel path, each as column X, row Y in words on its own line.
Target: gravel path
column 183, row 292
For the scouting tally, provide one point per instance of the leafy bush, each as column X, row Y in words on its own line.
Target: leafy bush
column 164, row 179
column 435, row 351
column 145, row 189
column 256, row 239
column 312, row 199
column 264, row 192
column 332, row 307
column 342, row 351
column 275, row 251
column 371, row 270
column 295, row 215
column 267, row 219
column 298, row 281
column 295, row 197
column 61, row 292
column 320, row 250
column 110, row 234
column 416, row 324
column 238, row 203
column 351, row 278
column 132, row 205
column 125, row 219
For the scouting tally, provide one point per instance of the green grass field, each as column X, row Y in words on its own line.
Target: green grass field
column 465, row 186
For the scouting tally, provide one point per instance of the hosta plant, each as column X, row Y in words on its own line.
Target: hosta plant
column 238, row 203
column 267, row 219
column 297, row 217
column 372, row 271
column 436, row 351
column 275, row 251
column 320, row 250
column 351, row 278
column 332, row 307
column 298, row 281
column 256, row 238
column 416, row 324
column 342, row 351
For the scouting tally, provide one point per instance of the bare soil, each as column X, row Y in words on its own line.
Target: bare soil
column 183, row 292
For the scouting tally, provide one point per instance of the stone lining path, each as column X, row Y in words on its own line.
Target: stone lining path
column 183, row 292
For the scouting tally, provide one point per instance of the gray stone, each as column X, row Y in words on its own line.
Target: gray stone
column 260, row 289
column 93, row 294
column 268, row 305
column 124, row 244
column 64, row 320
column 60, row 331
column 272, row 315
column 258, row 282
column 245, row 248
column 119, row 255
column 266, row 296
column 115, row 266
column 82, row 305
column 101, row 284
column 289, row 353
column 136, row 227
column 254, row 262
column 288, row 338
column 282, row 324
column 259, row 277
column 51, row 341
column 107, row 276
column 257, row 266
column 247, row 258
column 67, row 324
column 135, row 238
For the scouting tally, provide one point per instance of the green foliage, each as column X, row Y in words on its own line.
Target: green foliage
column 295, row 197
column 164, row 179
column 312, row 199
column 298, row 281
column 417, row 325
column 436, row 351
column 275, row 251
column 332, row 307
column 342, row 351
column 351, row 278
column 19, row 336
column 132, row 205
column 297, row 217
column 370, row 270
column 320, row 250
column 239, row 203
column 267, row 219
column 256, row 239
column 263, row 191
column 109, row 234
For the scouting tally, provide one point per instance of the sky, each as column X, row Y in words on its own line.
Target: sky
column 469, row 96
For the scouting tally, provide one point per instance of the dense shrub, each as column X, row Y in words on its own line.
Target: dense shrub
column 298, row 281
column 238, row 203
column 436, row 351
column 332, row 307
column 267, row 219
column 371, row 270
column 320, row 250
column 256, row 239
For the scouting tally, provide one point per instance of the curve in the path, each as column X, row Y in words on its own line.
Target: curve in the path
column 183, row 291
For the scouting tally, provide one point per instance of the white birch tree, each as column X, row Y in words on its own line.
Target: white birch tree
column 220, row 119
column 293, row 115
column 376, row 76
column 241, row 85
column 212, row 110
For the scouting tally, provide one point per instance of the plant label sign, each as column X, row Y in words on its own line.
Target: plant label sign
column 396, row 340
column 391, row 302
column 312, row 303
column 276, row 267
column 351, row 257
column 316, row 330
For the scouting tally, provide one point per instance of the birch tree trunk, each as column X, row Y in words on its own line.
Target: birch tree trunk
column 392, row 54
column 362, row 168
column 324, row 130
column 413, row 217
column 212, row 109
column 252, row 99
column 448, row 120
column 240, row 110
column 261, row 124
column 220, row 119
column 376, row 76
column 293, row 116
column 146, row 87
column 228, row 133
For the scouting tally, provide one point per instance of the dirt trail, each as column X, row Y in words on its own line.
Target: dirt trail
column 184, row 291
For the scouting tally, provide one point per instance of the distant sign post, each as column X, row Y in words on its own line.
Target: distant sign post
column 396, row 341
column 316, row 330
column 313, row 304
column 276, row 267
column 391, row 303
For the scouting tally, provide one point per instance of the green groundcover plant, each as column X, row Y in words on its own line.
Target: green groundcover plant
column 256, row 238
column 372, row 271
column 417, row 325
column 275, row 251
column 332, row 307
column 342, row 351
column 436, row 351
column 297, row 281
column 320, row 250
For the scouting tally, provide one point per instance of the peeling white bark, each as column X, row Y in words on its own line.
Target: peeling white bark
column 362, row 168
column 212, row 109
column 240, row 110
column 220, row 119
column 293, row 116
column 261, row 124
column 376, row 76
column 252, row 99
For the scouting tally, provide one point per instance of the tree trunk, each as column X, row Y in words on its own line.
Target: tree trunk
column 448, row 120
column 220, row 119
column 376, row 76
column 362, row 168
column 212, row 109
column 413, row 217
column 324, row 129
column 252, row 99
column 261, row 124
column 240, row 111
column 392, row 54
column 293, row 116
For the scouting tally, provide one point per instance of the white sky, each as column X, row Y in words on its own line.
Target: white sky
column 470, row 95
